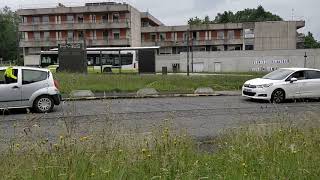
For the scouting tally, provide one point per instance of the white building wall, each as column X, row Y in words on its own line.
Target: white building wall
column 243, row 61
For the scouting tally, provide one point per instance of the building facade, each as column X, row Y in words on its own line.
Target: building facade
column 113, row 24
column 225, row 37
column 98, row 24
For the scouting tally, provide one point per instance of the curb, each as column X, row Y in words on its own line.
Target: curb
column 147, row 96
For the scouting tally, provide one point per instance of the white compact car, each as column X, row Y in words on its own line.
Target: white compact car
column 286, row 83
column 34, row 88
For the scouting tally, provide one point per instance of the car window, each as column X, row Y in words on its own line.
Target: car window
column 32, row 76
column 313, row 74
column 300, row 75
column 2, row 80
column 6, row 80
column 279, row 74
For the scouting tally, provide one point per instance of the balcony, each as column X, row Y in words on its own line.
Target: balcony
column 183, row 42
column 90, row 41
column 71, row 25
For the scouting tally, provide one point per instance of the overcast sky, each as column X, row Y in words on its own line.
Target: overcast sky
column 177, row 12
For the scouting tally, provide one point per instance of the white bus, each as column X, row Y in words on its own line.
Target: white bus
column 110, row 60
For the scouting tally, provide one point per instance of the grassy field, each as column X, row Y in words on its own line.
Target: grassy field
column 134, row 82
column 285, row 153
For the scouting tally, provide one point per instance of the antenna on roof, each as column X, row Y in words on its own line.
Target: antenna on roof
column 61, row 5
column 292, row 14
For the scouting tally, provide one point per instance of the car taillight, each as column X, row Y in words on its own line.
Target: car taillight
column 56, row 84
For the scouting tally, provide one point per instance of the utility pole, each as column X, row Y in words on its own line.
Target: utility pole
column 305, row 59
column 188, row 51
column 192, row 54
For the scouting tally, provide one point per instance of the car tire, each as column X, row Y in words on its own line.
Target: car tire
column 278, row 96
column 43, row 104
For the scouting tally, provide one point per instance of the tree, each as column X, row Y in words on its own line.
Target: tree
column 310, row 42
column 246, row 15
column 195, row 21
column 9, row 41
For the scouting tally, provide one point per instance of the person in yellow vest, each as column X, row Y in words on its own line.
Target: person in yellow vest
column 9, row 76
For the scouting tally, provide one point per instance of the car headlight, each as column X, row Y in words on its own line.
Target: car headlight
column 264, row 85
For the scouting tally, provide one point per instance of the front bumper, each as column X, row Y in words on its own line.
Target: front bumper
column 57, row 99
column 256, row 93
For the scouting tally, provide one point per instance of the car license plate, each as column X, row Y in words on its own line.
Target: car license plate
column 247, row 90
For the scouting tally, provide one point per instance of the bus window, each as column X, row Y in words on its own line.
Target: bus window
column 90, row 61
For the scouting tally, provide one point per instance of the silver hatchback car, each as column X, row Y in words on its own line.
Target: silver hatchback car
column 34, row 88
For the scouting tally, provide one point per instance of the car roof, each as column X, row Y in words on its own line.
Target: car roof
column 24, row 67
column 301, row 69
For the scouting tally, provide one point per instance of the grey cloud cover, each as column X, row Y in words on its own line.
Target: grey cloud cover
column 177, row 12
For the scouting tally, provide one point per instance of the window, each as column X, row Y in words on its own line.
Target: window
column 35, row 19
column 45, row 19
column 46, row 35
column 153, row 37
column 70, row 35
column 105, row 18
column 105, row 35
column 231, row 34
column 4, row 80
column 80, row 18
column 194, row 35
column 220, row 35
column 115, row 17
column 70, row 18
column 93, row 18
column 32, row 76
column 36, row 35
column 25, row 19
column 300, row 75
column 162, row 36
column 80, row 35
column 116, row 35
column 313, row 74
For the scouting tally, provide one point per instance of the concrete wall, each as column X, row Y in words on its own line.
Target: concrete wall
column 275, row 35
column 242, row 61
column 135, row 31
column 32, row 60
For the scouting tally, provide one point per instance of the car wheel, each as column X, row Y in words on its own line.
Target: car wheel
column 43, row 104
column 278, row 96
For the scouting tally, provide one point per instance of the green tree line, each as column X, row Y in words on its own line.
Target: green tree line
column 9, row 36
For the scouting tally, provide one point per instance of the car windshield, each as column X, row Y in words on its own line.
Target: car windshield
column 278, row 74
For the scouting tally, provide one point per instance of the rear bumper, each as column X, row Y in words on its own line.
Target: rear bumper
column 57, row 99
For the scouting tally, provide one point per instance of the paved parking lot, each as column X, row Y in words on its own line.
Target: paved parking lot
column 199, row 116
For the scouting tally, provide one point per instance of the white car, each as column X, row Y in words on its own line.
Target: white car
column 286, row 83
column 34, row 88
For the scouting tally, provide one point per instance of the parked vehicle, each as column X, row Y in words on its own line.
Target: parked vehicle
column 34, row 88
column 286, row 83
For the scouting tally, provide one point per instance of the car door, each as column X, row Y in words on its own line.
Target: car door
column 311, row 86
column 32, row 81
column 293, row 89
column 10, row 93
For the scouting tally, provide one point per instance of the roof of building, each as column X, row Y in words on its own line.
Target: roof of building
column 147, row 15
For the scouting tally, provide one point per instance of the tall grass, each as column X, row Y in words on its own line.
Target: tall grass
column 286, row 153
column 132, row 83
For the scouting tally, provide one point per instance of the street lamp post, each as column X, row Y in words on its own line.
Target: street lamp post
column 305, row 59
column 188, row 51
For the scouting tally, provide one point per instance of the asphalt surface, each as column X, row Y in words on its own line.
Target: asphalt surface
column 200, row 117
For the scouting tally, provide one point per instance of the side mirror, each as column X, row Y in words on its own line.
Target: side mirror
column 293, row 80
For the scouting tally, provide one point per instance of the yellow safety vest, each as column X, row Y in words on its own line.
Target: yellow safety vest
column 9, row 73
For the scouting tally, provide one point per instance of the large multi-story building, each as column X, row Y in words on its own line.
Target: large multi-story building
column 112, row 24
